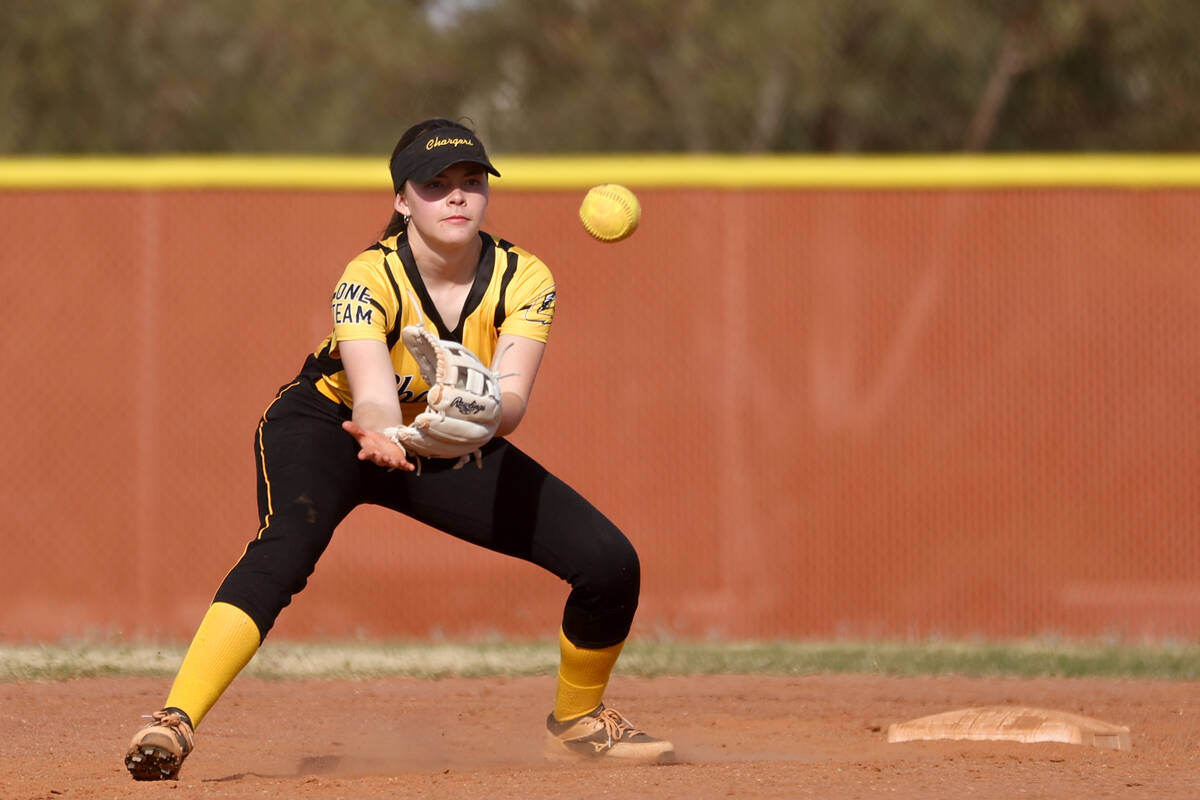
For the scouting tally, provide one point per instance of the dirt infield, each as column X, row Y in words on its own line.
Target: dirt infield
column 744, row 737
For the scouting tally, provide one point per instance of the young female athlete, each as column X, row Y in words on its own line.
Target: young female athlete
column 321, row 449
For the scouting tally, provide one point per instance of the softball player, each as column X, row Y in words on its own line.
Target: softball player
column 321, row 450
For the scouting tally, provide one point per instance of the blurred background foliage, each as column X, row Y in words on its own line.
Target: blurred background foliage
column 576, row 76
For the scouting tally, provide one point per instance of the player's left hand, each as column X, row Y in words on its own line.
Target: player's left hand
column 377, row 448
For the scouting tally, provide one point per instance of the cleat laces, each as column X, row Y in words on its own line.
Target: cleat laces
column 616, row 727
column 174, row 722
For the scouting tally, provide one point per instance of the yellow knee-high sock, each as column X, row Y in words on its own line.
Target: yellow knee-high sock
column 224, row 643
column 582, row 677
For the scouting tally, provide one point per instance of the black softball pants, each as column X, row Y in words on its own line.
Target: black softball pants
column 310, row 478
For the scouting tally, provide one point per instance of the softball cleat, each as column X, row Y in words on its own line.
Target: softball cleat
column 604, row 733
column 158, row 749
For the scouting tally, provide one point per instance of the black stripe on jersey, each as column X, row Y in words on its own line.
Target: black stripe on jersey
column 509, row 271
column 483, row 277
column 393, row 334
column 321, row 363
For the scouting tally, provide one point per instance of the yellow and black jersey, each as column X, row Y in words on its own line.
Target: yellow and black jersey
column 513, row 293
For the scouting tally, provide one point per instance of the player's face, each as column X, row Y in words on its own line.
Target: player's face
column 449, row 208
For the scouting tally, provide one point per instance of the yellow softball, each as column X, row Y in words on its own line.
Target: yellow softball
column 610, row 212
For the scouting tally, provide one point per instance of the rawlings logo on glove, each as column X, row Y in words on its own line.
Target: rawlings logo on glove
column 468, row 408
column 463, row 405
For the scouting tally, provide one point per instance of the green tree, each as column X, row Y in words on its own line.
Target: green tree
column 329, row 76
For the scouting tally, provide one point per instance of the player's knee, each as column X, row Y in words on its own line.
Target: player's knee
column 614, row 575
column 599, row 613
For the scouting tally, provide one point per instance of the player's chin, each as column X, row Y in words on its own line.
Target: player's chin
column 456, row 239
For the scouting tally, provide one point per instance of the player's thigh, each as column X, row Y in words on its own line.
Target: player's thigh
column 308, row 474
column 513, row 505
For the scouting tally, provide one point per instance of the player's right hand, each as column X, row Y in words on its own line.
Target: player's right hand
column 377, row 448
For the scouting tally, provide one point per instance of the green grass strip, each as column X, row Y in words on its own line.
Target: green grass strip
column 362, row 660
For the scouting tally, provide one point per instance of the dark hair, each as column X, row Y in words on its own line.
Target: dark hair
column 398, row 223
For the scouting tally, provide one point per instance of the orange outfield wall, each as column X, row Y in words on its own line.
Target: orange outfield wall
column 816, row 412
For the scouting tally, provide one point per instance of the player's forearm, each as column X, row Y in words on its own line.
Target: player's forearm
column 512, row 410
column 376, row 416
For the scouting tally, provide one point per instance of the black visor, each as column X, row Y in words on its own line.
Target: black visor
column 433, row 151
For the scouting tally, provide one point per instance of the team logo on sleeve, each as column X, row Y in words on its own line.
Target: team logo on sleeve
column 352, row 304
column 541, row 310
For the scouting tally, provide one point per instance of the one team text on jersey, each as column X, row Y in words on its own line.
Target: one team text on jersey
column 351, row 304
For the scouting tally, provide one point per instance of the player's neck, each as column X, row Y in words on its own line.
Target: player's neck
column 445, row 263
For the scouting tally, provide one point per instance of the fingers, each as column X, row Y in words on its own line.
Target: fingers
column 386, row 455
column 377, row 448
column 401, row 463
